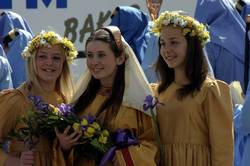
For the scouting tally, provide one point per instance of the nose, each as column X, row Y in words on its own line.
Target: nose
column 165, row 49
column 94, row 60
column 49, row 60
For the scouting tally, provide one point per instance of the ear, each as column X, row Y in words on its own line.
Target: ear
column 120, row 60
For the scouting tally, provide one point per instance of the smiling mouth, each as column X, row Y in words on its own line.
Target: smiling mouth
column 96, row 69
column 49, row 70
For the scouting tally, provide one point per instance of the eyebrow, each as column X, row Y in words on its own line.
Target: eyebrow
column 96, row 52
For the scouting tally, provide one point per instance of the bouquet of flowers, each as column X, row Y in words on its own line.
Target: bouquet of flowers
column 93, row 143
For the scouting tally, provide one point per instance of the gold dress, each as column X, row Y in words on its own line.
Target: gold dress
column 13, row 104
column 197, row 131
column 138, row 123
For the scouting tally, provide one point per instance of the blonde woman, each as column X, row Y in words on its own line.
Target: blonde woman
column 47, row 57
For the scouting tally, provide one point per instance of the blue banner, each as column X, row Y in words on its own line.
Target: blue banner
column 32, row 4
column 5, row 4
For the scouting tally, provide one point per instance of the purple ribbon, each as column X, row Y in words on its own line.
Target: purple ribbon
column 122, row 139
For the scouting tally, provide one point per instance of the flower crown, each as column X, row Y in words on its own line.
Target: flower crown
column 50, row 38
column 189, row 25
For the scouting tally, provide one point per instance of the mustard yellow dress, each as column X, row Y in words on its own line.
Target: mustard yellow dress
column 13, row 104
column 138, row 123
column 197, row 131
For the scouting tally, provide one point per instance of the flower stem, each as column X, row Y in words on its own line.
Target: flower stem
column 158, row 139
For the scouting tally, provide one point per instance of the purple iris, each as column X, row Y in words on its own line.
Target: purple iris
column 39, row 104
column 149, row 103
column 65, row 109
column 90, row 118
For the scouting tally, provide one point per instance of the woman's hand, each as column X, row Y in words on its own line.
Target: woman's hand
column 27, row 158
column 67, row 141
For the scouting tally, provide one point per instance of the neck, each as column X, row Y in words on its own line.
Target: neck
column 48, row 87
column 180, row 77
column 106, row 84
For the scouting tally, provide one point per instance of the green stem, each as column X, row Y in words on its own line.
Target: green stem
column 158, row 139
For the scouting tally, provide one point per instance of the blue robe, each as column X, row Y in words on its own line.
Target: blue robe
column 242, row 132
column 5, row 72
column 245, row 9
column 10, row 20
column 134, row 27
column 15, row 58
column 227, row 31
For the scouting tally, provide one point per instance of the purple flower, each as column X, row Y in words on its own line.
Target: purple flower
column 39, row 104
column 65, row 109
column 90, row 118
column 149, row 103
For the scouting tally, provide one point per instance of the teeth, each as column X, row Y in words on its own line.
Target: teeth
column 97, row 70
column 48, row 70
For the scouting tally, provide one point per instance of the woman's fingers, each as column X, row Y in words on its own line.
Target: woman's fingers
column 66, row 130
column 27, row 158
column 76, row 138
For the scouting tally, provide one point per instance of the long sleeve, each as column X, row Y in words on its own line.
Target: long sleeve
column 12, row 106
column 242, row 116
column 145, row 152
column 218, row 107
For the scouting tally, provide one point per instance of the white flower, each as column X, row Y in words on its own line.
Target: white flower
column 59, row 38
column 183, row 23
column 42, row 32
column 177, row 21
column 166, row 22
column 42, row 41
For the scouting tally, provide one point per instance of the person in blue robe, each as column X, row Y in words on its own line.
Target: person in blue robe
column 14, row 49
column 10, row 20
column 5, row 72
column 242, row 132
column 227, row 30
column 133, row 24
column 243, row 7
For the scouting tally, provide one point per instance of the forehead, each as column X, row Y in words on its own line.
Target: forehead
column 169, row 32
column 51, row 49
column 97, row 45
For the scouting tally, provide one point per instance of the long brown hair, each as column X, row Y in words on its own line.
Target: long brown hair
column 195, row 69
column 113, row 102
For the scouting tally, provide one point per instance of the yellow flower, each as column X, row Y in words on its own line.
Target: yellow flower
column 102, row 139
column 89, row 132
column 50, row 38
column 88, row 135
column 105, row 133
column 54, row 109
column 189, row 25
column 95, row 126
column 84, row 122
column 76, row 127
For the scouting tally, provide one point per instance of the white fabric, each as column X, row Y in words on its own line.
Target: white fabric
column 136, row 84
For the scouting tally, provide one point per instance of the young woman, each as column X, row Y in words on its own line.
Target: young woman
column 195, row 120
column 113, row 90
column 47, row 57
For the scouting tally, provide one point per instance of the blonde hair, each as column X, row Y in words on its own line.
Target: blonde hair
column 64, row 83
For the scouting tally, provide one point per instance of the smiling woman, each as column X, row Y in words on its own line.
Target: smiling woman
column 47, row 58
column 107, row 91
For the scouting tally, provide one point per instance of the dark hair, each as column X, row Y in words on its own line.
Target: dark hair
column 115, row 99
column 196, row 69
